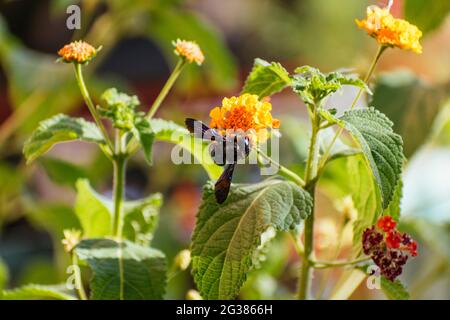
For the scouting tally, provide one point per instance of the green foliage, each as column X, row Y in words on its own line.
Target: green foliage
column 227, row 238
column 141, row 219
column 144, row 134
column 93, row 211
column 123, row 270
column 394, row 290
column 120, row 108
column 62, row 172
column 53, row 218
column 411, row 103
column 170, row 131
column 95, row 214
column 313, row 86
column 3, row 275
column 366, row 198
column 60, row 128
column 34, row 292
column 382, row 147
column 266, row 78
column 427, row 15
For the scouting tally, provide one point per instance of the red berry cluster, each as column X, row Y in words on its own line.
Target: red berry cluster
column 388, row 247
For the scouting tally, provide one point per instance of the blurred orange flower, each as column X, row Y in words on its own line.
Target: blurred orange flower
column 77, row 51
column 189, row 50
column 390, row 31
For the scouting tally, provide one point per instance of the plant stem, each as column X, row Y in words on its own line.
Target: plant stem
column 284, row 172
column 91, row 106
column 377, row 57
column 77, row 274
column 165, row 90
column 119, row 164
column 304, row 280
column 336, row 264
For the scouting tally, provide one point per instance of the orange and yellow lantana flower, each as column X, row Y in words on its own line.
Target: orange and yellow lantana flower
column 245, row 113
column 189, row 50
column 390, row 31
column 78, row 52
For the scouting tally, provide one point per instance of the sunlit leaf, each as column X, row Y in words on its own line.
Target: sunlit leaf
column 60, row 128
column 227, row 237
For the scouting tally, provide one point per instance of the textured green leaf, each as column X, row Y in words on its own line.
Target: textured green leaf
column 170, row 131
column 394, row 290
column 427, row 15
column 144, row 134
column 60, row 128
column 39, row 292
column 123, row 270
column 266, row 78
column 411, row 103
column 62, row 172
column 382, row 147
column 227, row 237
column 93, row 211
column 141, row 219
column 394, row 208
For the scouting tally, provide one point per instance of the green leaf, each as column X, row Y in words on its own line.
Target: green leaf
column 62, row 172
column 227, row 238
column 382, row 147
column 123, row 270
column 4, row 275
column 266, row 78
column 141, row 219
column 93, row 211
column 366, row 198
column 394, row 208
column 427, row 15
column 60, row 128
column 144, row 134
column 313, row 86
column 171, row 132
column 411, row 103
column 53, row 218
column 39, row 292
column 394, row 290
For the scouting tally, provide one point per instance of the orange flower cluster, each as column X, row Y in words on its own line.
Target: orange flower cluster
column 244, row 113
column 389, row 31
column 77, row 51
column 189, row 50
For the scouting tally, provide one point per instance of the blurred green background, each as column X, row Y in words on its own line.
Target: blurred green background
column 36, row 201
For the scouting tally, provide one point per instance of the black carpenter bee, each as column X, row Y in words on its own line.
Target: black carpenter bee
column 225, row 150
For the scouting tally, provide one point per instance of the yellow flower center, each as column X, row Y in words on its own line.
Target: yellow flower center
column 389, row 31
column 246, row 114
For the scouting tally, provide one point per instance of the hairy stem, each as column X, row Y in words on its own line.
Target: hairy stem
column 91, row 106
column 304, row 280
column 119, row 164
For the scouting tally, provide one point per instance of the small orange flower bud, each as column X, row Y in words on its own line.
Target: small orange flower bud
column 189, row 50
column 78, row 52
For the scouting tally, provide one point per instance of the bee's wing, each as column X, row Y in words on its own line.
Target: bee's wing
column 192, row 124
column 222, row 186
